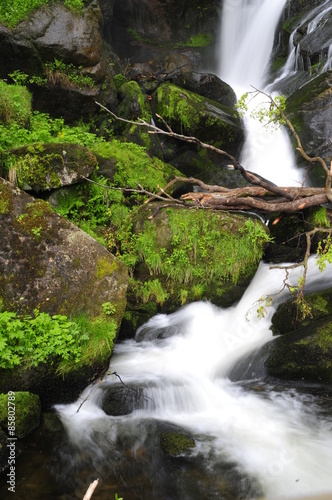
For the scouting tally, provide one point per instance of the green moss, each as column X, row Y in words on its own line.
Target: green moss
column 185, row 253
column 104, row 267
column 33, row 221
column 133, row 94
column 12, row 12
column 318, row 217
column 27, row 412
column 175, row 443
column 5, row 198
column 321, row 340
column 119, row 80
column 199, row 40
column 277, row 64
column 177, row 104
column 15, row 104
column 189, row 113
column 36, row 171
column 134, row 166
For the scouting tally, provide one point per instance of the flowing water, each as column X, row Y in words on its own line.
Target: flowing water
column 273, row 443
column 247, row 36
column 252, row 438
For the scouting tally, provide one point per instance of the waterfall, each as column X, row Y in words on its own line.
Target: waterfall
column 180, row 363
column 263, row 441
column 294, row 61
column 247, row 35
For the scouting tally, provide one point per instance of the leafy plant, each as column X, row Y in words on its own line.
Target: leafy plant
column 33, row 340
column 269, row 112
column 153, row 290
column 68, row 74
column 108, row 308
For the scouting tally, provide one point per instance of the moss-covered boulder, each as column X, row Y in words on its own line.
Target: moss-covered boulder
column 191, row 114
column 48, row 265
column 195, row 115
column 41, row 167
column 127, row 164
column 51, row 44
column 304, row 349
column 27, row 412
column 177, row 256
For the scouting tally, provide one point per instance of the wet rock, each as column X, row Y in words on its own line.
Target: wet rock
column 207, row 85
column 175, row 443
column 27, row 412
column 304, row 350
column 123, row 400
column 54, row 33
column 309, row 109
column 140, row 30
column 47, row 263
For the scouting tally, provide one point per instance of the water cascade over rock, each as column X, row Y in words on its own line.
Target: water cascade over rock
column 239, row 439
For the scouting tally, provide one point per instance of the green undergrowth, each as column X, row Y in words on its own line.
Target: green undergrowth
column 200, row 250
column 15, row 105
column 12, row 12
column 67, row 344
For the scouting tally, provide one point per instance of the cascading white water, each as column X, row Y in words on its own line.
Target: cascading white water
column 294, row 60
column 179, row 364
column 276, row 440
column 247, row 35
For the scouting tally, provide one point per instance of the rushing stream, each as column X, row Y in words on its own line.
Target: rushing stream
column 252, row 438
column 268, row 442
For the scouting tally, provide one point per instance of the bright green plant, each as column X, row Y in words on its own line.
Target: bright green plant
column 153, row 290
column 15, row 106
column 12, row 12
column 108, row 308
column 271, row 115
column 68, row 73
column 33, row 340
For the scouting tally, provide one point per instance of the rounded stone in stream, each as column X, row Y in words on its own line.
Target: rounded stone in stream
column 119, row 401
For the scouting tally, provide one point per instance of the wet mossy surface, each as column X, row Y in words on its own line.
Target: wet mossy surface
column 175, row 443
column 303, row 352
column 26, row 409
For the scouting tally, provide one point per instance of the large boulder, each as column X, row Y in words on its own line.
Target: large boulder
column 178, row 255
column 48, row 263
column 304, row 348
column 41, row 167
column 53, row 31
column 54, row 34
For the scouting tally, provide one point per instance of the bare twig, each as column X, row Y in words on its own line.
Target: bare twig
column 91, row 490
